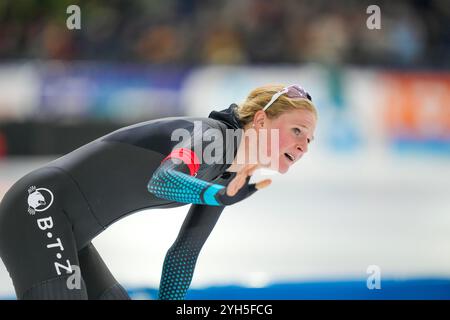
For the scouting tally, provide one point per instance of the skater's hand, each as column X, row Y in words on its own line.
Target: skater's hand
column 239, row 188
column 243, row 177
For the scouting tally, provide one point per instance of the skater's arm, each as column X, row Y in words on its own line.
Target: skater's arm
column 171, row 181
column 181, row 258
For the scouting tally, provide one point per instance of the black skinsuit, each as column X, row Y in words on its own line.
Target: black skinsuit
column 49, row 217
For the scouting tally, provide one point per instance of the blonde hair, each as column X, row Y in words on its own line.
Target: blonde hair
column 260, row 96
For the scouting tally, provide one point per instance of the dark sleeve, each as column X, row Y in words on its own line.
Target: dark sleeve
column 178, row 178
column 175, row 179
column 181, row 258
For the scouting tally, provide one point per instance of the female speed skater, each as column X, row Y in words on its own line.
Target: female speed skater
column 50, row 216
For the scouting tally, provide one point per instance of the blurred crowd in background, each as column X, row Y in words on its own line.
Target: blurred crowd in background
column 191, row 32
column 132, row 61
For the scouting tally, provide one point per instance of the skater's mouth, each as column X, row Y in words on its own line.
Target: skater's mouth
column 289, row 156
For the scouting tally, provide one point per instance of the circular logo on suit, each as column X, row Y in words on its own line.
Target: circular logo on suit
column 39, row 199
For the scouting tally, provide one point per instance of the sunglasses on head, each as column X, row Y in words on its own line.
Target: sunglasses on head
column 292, row 91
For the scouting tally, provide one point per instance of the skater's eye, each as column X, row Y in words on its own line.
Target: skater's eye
column 297, row 131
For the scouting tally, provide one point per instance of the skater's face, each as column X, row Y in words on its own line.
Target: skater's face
column 295, row 131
